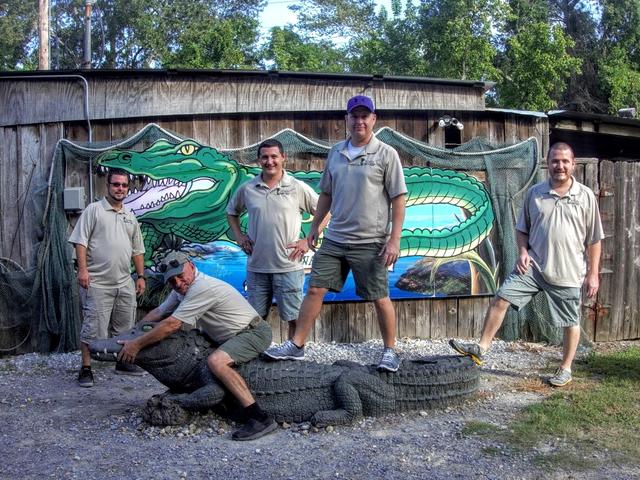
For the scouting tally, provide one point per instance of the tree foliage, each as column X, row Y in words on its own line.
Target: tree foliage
column 543, row 54
column 18, row 32
column 537, row 67
column 287, row 50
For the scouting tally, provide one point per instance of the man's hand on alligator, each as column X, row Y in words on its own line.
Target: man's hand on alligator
column 129, row 351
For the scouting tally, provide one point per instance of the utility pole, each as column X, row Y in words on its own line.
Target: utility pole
column 86, row 58
column 43, row 34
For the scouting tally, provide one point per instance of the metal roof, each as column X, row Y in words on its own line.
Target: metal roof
column 96, row 73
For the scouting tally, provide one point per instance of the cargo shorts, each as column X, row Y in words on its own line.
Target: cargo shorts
column 564, row 302
column 107, row 312
column 333, row 261
column 248, row 343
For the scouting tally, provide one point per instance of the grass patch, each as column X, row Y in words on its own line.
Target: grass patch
column 475, row 427
column 564, row 459
column 600, row 412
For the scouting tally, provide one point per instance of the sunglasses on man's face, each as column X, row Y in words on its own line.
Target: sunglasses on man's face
column 118, row 184
column 163, row 267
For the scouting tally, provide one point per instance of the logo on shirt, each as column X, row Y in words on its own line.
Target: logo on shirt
column 285, row 191
column 364, row 162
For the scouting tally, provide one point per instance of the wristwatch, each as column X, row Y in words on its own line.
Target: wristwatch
column 142, row 277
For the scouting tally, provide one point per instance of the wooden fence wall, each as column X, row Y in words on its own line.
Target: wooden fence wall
column 26, row 153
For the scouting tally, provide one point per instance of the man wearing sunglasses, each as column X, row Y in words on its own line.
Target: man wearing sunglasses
column 221, row 312
column 106, row 238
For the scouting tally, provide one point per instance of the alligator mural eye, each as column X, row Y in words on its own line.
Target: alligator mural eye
column 187, row 149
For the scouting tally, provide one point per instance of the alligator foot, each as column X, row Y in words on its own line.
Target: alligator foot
column 162, row 411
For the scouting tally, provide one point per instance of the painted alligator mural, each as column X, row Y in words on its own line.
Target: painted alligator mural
column 186, row 187
column 290, row 391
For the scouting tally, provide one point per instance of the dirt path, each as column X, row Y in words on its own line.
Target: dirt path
column 53, row 429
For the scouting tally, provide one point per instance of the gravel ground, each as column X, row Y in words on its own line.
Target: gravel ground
column 51, row 428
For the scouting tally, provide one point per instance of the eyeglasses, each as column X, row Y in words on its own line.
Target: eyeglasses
column 163, row 267
column 118, row 184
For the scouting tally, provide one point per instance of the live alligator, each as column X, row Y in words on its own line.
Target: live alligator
column 187, row 187
column 291, row 391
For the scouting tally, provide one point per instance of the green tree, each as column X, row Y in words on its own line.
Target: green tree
column 620, row 53
column 457, row 37
column 392, row 46
column 537, row 67
column 158, row 33
column 286, row 50
column 336, row 20
column 18, row 34
column 620, row 80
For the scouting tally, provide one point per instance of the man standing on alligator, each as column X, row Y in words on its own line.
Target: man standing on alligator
column 106, row 238
column 364, row 189
column 222, row 313
column 274, row 201
column 558, row 227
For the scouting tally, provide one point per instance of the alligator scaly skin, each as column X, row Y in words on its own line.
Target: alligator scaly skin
column 292, row 391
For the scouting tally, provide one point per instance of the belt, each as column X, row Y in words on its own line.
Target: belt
column 254, row 323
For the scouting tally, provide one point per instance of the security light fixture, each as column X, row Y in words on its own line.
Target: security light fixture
column 449, row 121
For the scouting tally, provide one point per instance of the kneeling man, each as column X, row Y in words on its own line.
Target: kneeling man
column 220, row 311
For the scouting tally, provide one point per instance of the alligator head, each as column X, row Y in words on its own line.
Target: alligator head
column 177, row 362
column 185, row 186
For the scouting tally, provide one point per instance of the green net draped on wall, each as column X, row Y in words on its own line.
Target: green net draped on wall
column 45, row 301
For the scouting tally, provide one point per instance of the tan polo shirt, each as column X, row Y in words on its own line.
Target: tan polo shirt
column 111, row 237
column 274, row 220
column 361, row 190
column 560, row 228
column 211, row 305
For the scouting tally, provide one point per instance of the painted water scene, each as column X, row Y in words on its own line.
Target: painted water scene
column 181, row 191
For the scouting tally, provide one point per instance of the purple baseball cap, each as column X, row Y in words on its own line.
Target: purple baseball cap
column 360, row 101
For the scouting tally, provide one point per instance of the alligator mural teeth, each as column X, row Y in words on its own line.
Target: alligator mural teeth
column 153, row 194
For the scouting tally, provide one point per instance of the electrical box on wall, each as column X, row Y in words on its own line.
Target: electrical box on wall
column 73, row 199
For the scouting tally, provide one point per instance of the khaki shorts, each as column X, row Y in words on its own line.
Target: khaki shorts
column 248, row 343
column 564, row 302
column 107, row 312
column 333, row 261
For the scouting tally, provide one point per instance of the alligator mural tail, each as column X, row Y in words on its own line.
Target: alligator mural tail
column 436, row 186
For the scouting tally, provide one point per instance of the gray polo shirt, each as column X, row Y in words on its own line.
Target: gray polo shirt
column 111, row 238
column 559, row 230
column 275, row 220
column 211, row 305
column 361, row 190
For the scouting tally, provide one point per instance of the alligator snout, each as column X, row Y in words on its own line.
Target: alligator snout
column 107, row 349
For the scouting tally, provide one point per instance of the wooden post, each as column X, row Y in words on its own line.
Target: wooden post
column 43, row 33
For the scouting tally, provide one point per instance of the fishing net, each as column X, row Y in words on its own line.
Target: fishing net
column 42, row 304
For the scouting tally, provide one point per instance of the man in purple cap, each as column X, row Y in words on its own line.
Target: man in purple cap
column 364, row 189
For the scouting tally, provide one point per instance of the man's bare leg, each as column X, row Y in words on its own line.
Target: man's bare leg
column 309, row 311
column 386, row 320
column 291, row 329
column 258, row 423
column 493, row 321
column 220, row 365
column 86, row 355
column 570, row 346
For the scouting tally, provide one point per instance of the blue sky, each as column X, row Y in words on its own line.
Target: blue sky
column 277, row 13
